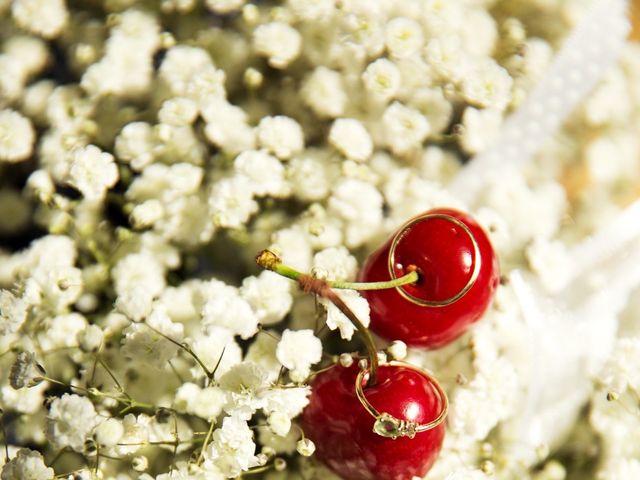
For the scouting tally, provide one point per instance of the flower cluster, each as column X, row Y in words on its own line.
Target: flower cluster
column 148, row 150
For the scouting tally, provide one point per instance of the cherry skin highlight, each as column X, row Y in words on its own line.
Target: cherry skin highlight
column 342, row 429
column 453, row 256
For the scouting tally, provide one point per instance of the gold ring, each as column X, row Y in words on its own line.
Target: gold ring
column 387, row 425
column 470, row 282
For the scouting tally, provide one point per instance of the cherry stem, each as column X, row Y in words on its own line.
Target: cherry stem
column 270, row 261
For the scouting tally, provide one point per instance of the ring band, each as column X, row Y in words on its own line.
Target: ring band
column 470, row 282
column 387, row 425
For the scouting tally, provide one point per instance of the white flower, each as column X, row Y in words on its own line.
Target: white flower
column 92, row 172
column 335, row 263
column 149, row 344
column 138, row 278
column 25, row 400
column 224, row 6
column 42, row 17
column 59, row 285
column 265, row 173
column 403, row 37
column 70, row 421
column 382, row 78
column 231, row 202
column 226, row 308
column 127, row 67
column 90, row 338
column 146, row 214
column 336, row 319
column 298, row 350
column 27, row 465
column 244, row 385
column 481, row 128
column 109, row 432
column 281, row 135
column 226, row 126
column 350, row 137
column 277, row 41
column 621, row 470
column 405, row 128
column 551, row 261
column 63, row 331
column 312, row 10
column 279, row 423
column 359, row 205
column 205, row 403
column 16, row 136
column 324, row 92
column 13, row 312
column 466, row 474
column 305, row 447
column 397, row 350
column 216, row 347
column 269, row 295
column 41, row 184
column 308, row 177
column 135, row 144
column 136, row 432
column 263, row 352
column 621, row 370
column 487, row 85
column 488, row 399
column 178, row 111
column 446, row 55
column 290, row 400
column 180, row 66
column 232, row 450
column 293, row 247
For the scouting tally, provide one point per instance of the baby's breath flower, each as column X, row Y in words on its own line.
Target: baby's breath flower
column 232, row 450
column 350, row 137
column 335, row 263
column 481, row 128
column 280, row 135
column 382, row 78
column 265, row 172
column 359, row 205
column 178, row 111
column 92, row 172
column 224, row 6
column 13, row 312
column 70, row 421
column 323, row 91
column 403, row 37
column 16, row 136
column 269, row 296
column 405, row 128
column 487, row 85
column 298, row 350
column 337, row 320
column 305, row 447
column 27, row 465
column 231, row 202
column 42, row 17
column 277, row 41
column 109, row 432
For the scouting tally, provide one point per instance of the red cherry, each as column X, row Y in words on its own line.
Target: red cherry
column 342, row 428
column 459, row 274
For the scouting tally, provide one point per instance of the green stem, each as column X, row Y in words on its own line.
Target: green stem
column 323, row 288
column 270, row 261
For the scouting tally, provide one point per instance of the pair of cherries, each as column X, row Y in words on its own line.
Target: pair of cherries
column 393, row 429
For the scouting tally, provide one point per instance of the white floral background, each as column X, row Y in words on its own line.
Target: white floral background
column 148, row 151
